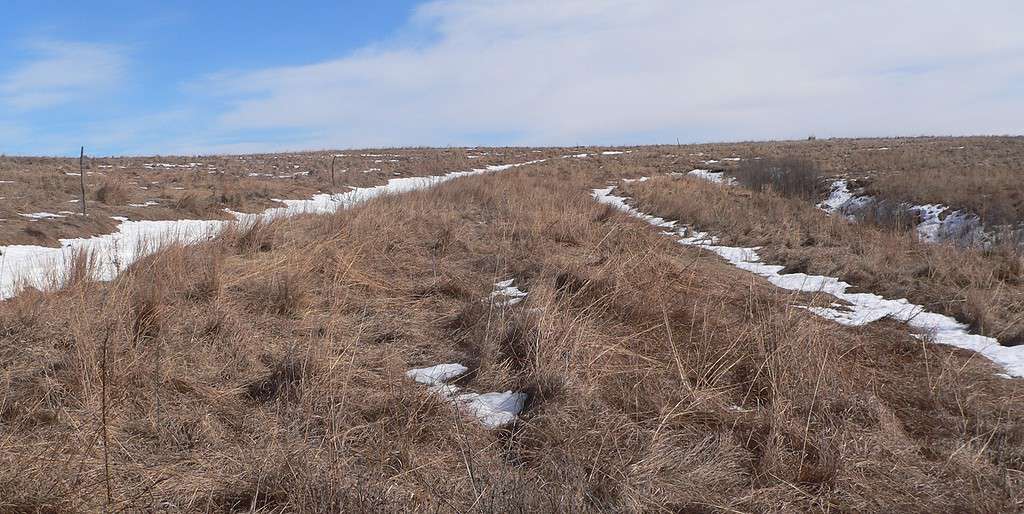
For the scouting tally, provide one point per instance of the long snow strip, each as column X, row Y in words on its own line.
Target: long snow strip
column 864, row 307
column 108, row 254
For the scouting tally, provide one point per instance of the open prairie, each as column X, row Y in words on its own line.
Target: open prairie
column 741, row 327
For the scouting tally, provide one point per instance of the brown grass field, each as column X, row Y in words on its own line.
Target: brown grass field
column 264, row 371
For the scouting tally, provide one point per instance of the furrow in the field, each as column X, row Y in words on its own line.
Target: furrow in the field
column 863, row 308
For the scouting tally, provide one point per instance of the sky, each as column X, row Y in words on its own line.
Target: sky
column 198, row 77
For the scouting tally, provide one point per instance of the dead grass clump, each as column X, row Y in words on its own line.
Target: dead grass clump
column 79, row 270
column 281, row 293
column 790, row 177
column 282, row 381
column 192, row 204
column 112, row 192
column 250, row 236
column 145, row 316
column 887, row 214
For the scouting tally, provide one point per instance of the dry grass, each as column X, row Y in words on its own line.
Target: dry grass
column 794, row 178
column 244, row 376
column 112, row 192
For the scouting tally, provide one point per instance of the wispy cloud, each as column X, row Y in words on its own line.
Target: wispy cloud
column 58, row 72
column 554, row 72
column 617, row 70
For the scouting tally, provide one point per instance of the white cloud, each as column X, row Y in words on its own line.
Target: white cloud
column 61, row 72
column 561, row 72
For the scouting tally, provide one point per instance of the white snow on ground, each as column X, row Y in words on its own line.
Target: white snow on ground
column 734, row 159
column 612, row 152
column 435, row 375
column 839, row 196
column 41, row 215
column 6, row 181
column 928, row 229
column 154, row 165
column 641, row 179
column 506, row 294
column 42, row 267
column 492, row 410
column 147, row 203
column 717, row 177
column 864, row 307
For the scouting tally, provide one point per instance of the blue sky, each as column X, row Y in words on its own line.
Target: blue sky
column 146, row 77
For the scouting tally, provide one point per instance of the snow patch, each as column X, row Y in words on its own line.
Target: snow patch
column 505, row 294
column 438, row 374
column 42, row 215
column 838, row 197
column 717, row 177
column 492, row 410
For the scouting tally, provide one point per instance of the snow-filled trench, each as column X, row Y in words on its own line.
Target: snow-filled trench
column 939, row 223
column 863, row 308
column 41, row 267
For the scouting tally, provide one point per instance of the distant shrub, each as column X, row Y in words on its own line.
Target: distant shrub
column 791, row 177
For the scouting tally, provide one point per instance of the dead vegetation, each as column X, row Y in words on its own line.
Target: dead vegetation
column 791, row 177
column 264, row 372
